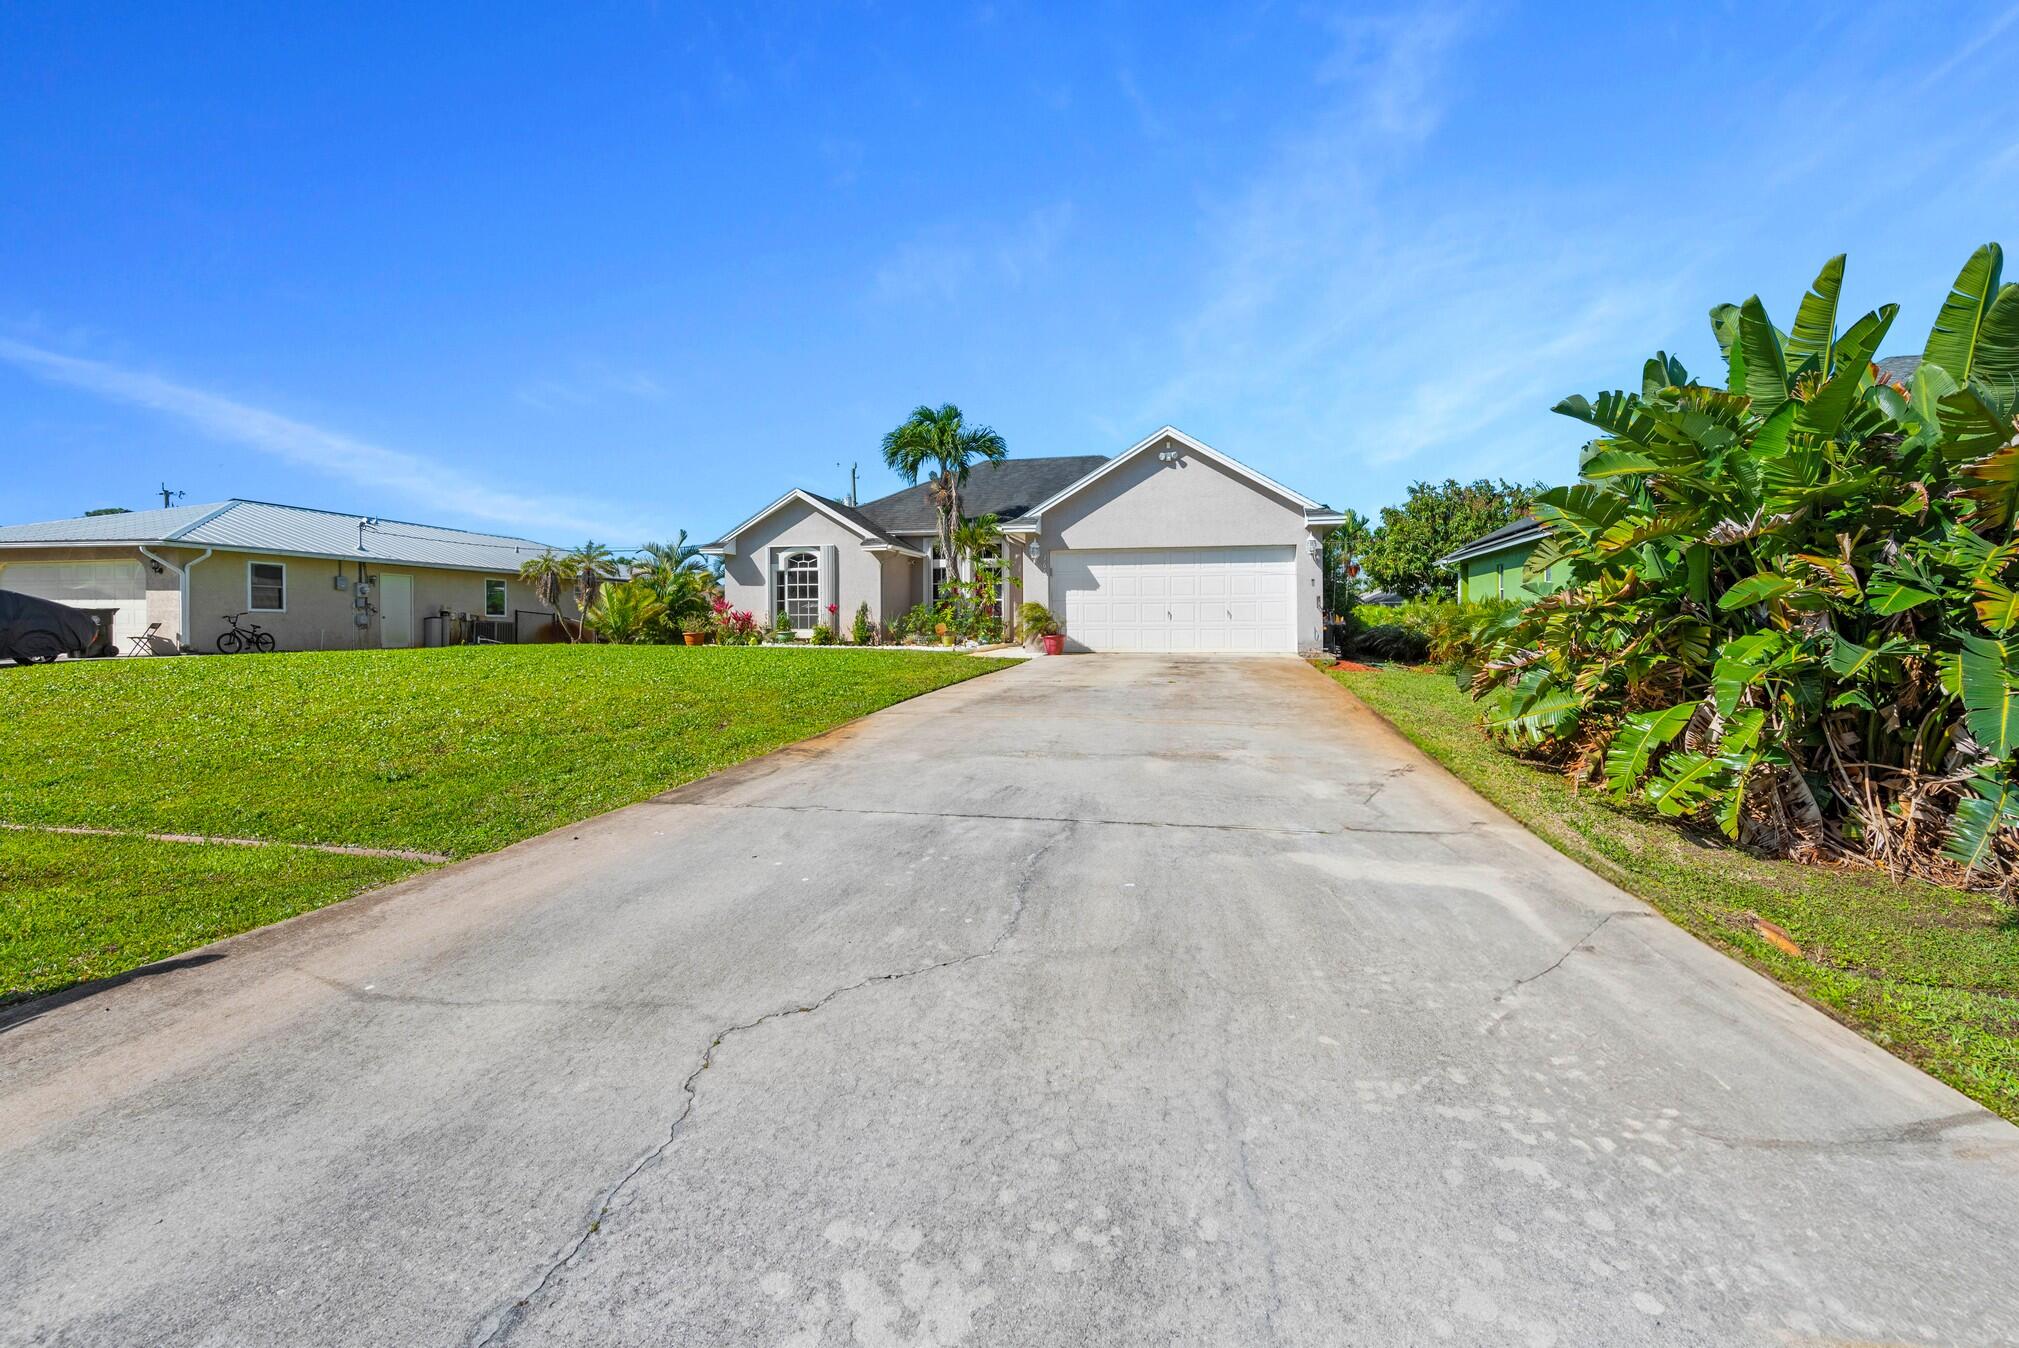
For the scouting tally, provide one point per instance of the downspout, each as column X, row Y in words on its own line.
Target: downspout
column 182, row 576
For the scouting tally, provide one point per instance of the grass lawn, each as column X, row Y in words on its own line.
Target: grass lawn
column 1930, row 973
column 454, row 751
column 73, row 909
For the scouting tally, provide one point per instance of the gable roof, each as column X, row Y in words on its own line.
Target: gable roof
column 848, row 516
column 1524, row 530
column 1005, row 490
column 261, row 526
column 1313, row 510
column 1898, row 369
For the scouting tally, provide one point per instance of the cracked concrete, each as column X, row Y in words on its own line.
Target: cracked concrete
column 1138, row 1021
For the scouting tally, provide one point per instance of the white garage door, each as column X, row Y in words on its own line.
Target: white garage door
column 1179, row 599
column 87, row 585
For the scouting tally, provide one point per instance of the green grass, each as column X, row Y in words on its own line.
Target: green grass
column 1930, row 973
column 453, row 751
column 73, row 908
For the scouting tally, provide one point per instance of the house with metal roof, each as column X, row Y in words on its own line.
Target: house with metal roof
column 1169, row 545
column 314, row 579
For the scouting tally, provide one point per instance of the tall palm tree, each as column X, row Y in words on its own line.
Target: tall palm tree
column 592, row 564
column 1345, row 546
column 548, row 575
column 939, row 441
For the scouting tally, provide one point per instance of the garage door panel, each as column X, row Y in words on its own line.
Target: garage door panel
column 117, row 585
column 1178, row 599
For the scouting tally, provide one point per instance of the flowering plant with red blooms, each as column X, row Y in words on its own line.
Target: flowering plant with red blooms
column 721, row 605
column 833, row 609
column 735, row 626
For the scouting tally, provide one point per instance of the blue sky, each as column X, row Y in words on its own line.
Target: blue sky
column 616, row 270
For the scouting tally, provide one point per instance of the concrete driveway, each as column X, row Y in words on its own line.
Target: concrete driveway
column 1103, row 1001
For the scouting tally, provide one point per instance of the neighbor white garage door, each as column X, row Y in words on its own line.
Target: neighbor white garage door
column 1178, row 599
column 88, row 585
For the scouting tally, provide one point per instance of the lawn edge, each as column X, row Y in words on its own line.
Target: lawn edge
column 35, row 1005
column 1619, row 877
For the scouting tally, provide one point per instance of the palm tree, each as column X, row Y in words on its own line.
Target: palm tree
column 975, row 541
column 593, row 564
column 626, row 611
column 940, row 441
column 548, row 575
column 1345, row 546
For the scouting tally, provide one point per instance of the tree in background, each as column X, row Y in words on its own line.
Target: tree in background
column 939, row 441
column 549, row 575
column 1436, row 521
column 592, row 565
column 1345, row 563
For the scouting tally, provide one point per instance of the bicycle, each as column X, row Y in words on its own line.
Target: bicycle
column 250, row 637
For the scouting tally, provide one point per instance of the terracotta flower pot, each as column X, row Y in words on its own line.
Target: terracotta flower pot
column 693, row 638
column 1055, row 643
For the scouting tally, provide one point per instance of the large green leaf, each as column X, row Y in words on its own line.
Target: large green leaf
column 1687, row 780
column 1997, row 492
column 1626, row 758
column 1757, row 590
column 1815, row 329
column 1824, row 412
column 1661, row 371
column 1991, row 807
column 1725, row 323
column 1895, row 589
column 1741, row 664
column 1990, row 692
column 1766, row 366
column 1997, row 367
column 1959, row 327
column 1997, row 605
column 1617, row 463
column 1973, row 426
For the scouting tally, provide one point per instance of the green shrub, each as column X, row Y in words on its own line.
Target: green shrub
column 1792, row 608
column 864, row 631
column 823, row 635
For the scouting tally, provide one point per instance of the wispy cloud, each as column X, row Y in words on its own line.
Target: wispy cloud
column 1351, row 319
column 387, row 472
column 946, row 261
column 591, row 384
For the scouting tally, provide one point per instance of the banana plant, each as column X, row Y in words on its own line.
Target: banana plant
column 1792, row 611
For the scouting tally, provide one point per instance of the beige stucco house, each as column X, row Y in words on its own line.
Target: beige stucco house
column 1169, row 545
column 316, row 579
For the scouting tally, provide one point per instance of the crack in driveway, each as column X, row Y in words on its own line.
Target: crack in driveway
column 500, row 1325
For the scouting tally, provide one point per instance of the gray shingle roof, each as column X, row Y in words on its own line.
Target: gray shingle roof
column 1005, row 490
column 1898, row 369
column 260, row 526
column 861, row 520
column 1522, row 530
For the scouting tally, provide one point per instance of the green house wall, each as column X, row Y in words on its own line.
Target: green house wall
column 1501, row 575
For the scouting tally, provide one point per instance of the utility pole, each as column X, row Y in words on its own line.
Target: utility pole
column 169, row 496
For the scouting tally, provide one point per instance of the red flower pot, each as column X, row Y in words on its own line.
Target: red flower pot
column 1055, row 643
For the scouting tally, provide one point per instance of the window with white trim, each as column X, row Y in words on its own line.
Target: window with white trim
column 799, row 589
column 936, row 576
column 266, row 587
column 494, row 597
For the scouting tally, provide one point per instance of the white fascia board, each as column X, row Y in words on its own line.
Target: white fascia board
column 899, row 549
column 1198, row 447
column 810, row 499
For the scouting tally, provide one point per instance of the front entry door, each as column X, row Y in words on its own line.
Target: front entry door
column 396, row 610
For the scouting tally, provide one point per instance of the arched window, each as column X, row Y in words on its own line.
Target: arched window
column 799, row 588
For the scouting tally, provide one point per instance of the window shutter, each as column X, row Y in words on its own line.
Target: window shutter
column 771, row 600
column 830, row 585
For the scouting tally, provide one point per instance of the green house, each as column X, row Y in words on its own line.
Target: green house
column 1493, row 566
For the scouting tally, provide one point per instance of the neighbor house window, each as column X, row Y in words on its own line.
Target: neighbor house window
column 799, row 589
column 266, row 586
column 494, row 598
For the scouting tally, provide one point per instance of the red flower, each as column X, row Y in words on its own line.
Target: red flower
column 834, row 608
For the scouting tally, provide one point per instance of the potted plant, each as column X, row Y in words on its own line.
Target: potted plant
column 694, row 630
column 1039, row 622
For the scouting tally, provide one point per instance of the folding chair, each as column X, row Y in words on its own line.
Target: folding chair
column 142, row 643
